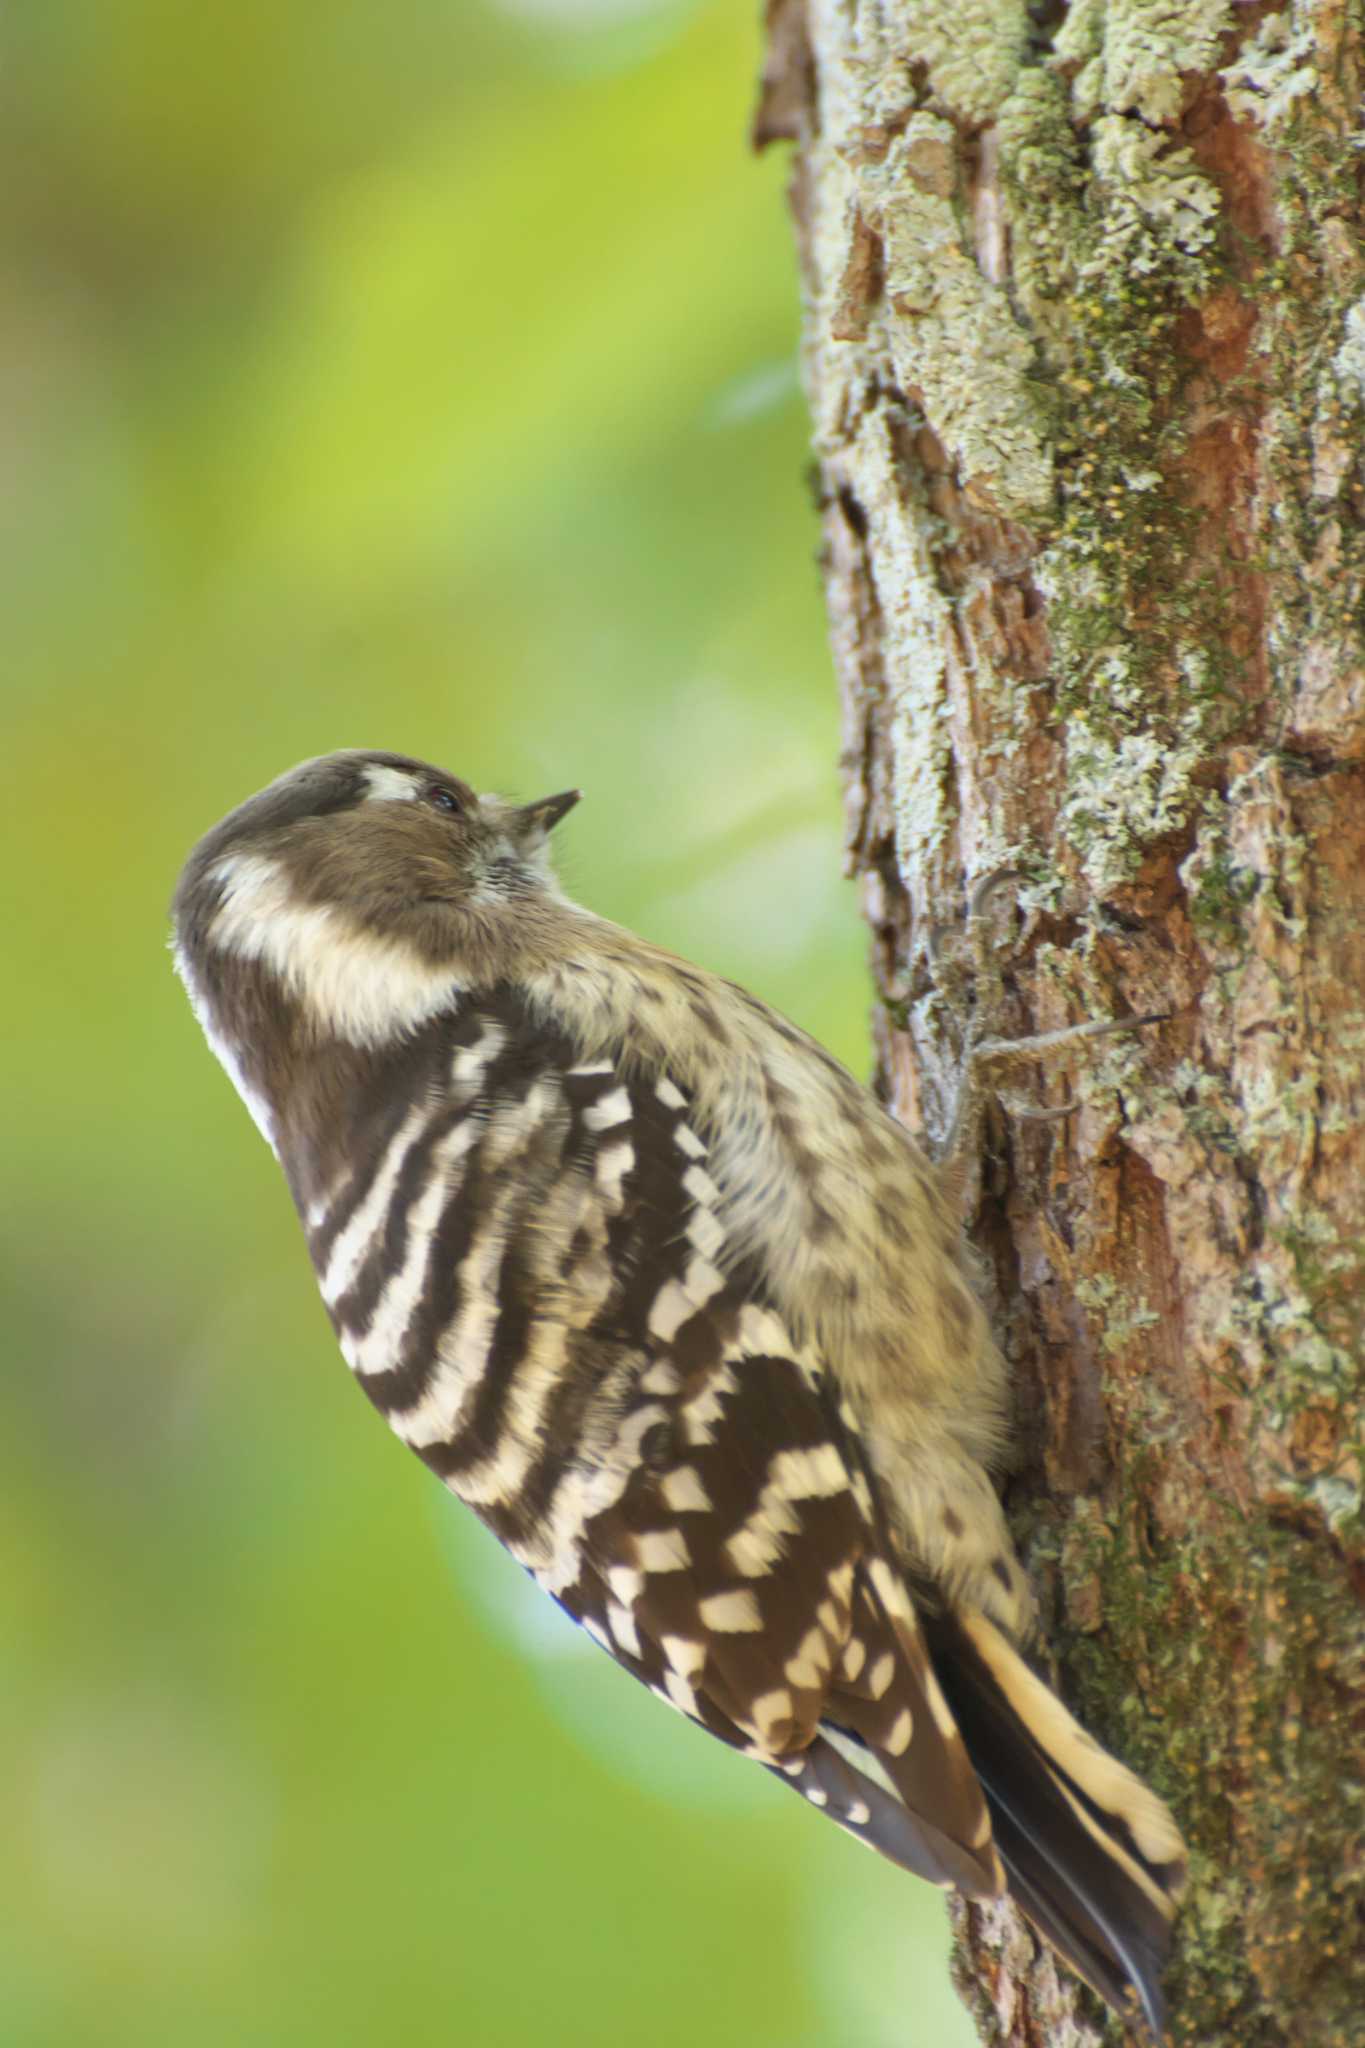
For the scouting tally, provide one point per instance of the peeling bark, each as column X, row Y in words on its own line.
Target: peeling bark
column 1085, row 350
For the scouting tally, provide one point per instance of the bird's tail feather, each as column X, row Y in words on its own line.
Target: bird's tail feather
column 1092, row 1855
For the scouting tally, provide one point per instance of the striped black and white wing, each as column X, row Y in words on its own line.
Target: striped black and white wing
column 530, row 1278
column 738, row 1574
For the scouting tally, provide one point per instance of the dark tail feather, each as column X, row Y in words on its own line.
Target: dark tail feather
column 1093, row 1857
column 1069, row 1907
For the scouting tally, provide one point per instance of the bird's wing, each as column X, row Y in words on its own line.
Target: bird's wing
column 531, row 1277
column 740, row 1576
column 722, row 1542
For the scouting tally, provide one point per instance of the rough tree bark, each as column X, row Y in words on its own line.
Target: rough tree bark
column 1085, row 347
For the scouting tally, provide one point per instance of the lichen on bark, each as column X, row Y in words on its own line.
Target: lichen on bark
column 1085, row 348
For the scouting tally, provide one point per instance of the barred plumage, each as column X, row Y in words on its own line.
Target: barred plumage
column 650, row 1283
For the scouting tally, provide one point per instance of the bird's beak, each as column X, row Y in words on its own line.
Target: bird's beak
column 533, row 821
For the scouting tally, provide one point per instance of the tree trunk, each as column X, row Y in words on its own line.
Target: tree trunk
column 1085, row 347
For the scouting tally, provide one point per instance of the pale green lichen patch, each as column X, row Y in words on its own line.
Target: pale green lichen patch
column 1273, row 70
column 1149, row 44
column 1145, row 184
column 1130, row 55
column 971, row 52
column 1124, row 231
column 1078, row 47
column 954, row 339
column 1349, row 360
column 1114, row 236
column 1120, row 1316
column 1125, row 790
column 1045, row 176
column 1270, row 1321
column 920, row 750
column 913, row 616
column 1218, row 888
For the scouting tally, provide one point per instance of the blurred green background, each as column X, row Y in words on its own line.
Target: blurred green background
column 421, row 378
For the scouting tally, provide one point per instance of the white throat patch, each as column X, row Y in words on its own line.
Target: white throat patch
column 261, row 1114
column 365, row 989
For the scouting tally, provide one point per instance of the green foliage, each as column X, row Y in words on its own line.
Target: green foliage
column 419, row 379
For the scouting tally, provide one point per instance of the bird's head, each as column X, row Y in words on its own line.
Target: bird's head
column 357, row 895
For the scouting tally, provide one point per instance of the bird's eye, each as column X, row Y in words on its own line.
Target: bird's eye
column 444, row 800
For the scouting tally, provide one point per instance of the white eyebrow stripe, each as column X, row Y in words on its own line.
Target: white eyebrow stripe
column 388, row 784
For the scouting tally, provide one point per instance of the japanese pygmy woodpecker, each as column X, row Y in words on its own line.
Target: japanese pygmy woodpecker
column 679, row 1310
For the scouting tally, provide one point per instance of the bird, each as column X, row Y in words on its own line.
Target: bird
column 678, row 1308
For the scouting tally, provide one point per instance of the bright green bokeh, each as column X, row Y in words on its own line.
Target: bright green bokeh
column 419, row 378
